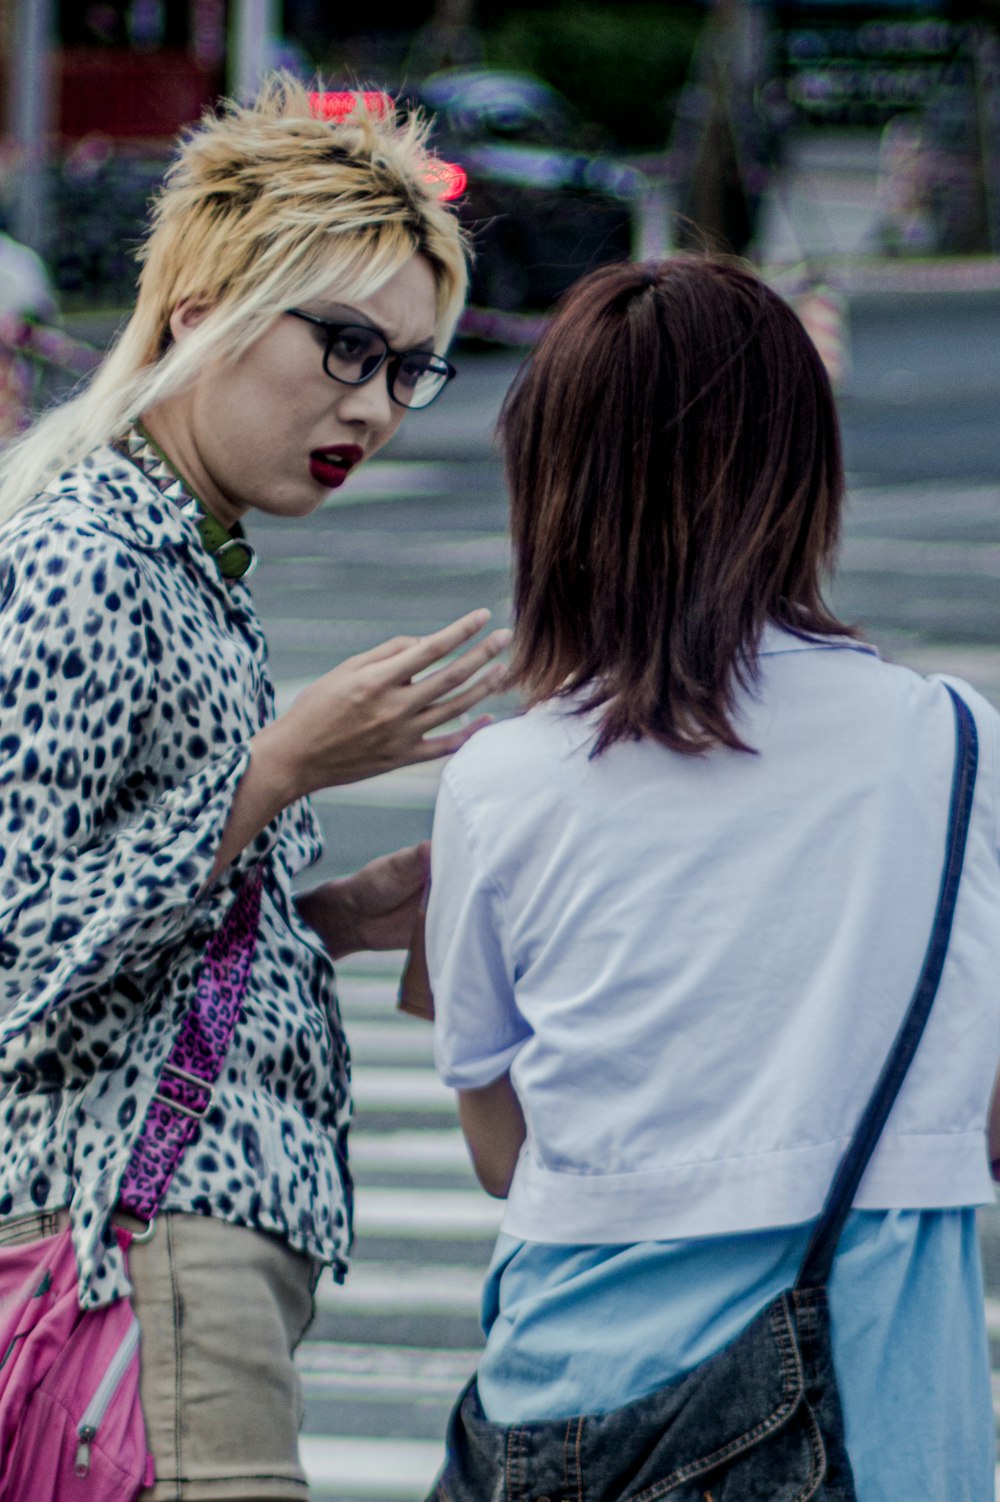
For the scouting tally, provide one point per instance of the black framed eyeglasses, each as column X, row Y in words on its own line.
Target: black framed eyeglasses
column 354, row 353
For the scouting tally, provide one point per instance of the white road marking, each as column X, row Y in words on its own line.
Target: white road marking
column 391, row 1041
column 920, row 498
column 392, row 479
column 898, row 555
column 441, row 552
column 993, row 1316
column 338, row 1466
column 430, row 1213
column 371, row 993
column 384, row 1373
column 369, row 963
column 400, row 1090
column 407, row 1150
column 396, row 1288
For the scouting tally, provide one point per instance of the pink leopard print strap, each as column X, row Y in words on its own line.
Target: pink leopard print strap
column 197, row 1056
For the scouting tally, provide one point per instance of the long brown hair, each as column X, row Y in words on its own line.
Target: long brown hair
column 673, row 457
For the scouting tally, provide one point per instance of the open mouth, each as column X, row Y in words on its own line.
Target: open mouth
column 330, row 467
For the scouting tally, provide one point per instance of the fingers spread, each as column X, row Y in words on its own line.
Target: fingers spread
column 454, row 674
column 430, row 649
column 386, row 649
column 443, row 710
column 445, row 745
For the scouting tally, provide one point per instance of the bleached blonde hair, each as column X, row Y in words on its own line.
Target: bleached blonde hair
column 261, row 202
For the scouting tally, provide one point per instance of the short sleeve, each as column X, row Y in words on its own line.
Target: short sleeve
column 478, row 1030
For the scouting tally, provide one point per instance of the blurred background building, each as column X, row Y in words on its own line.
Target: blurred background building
column 797, row 131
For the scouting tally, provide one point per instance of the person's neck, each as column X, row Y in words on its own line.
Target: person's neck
column 168, row 426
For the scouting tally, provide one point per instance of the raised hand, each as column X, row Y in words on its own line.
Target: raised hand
column 375, row 711
column 371, row 714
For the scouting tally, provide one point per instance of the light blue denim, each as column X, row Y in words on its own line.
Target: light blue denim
column 588, row 1329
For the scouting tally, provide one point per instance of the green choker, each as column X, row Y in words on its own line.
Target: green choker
column 234, row 556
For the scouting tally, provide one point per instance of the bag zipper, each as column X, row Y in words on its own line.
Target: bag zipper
column 99, row 1403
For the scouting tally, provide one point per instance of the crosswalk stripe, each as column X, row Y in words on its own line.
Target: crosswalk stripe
column 387, row 1288
column 338, row 1466
column 371, row 996
column 430, row 1213
column 373, row 962
column 388, row 1373
column 405, row 1150
column 440, row 551
column 908, row 556
column 392, row 479
column 400, row 1089
column 392, row 1040
column 901, row 503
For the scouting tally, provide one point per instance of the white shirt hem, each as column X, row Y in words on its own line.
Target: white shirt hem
column 930, row 1171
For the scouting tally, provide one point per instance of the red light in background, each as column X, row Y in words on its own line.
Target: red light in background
column 449, row 179
column 337, row 104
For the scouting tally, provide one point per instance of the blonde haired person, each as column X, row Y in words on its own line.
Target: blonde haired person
column 299, row 283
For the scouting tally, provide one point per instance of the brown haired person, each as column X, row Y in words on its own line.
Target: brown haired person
column 678, row 910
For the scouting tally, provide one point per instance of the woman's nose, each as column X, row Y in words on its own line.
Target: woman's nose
column 369, row 403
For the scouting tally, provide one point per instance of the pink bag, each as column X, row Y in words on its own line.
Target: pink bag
column 71, row 1425
column 71, row 1422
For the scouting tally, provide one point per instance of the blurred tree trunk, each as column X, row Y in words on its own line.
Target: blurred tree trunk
column 31, row 106
column 717, row 202
column 253, row 25
column 719, row 136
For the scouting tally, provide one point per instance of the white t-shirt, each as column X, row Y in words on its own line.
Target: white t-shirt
column 694, row 967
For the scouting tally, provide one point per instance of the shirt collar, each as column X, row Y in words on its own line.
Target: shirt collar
column 129, row 504
column 133, row 506
column 775, row 640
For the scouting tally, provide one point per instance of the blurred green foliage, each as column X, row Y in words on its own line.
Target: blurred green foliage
column 620, row 65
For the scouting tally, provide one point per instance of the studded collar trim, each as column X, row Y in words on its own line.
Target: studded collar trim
column 235, row 558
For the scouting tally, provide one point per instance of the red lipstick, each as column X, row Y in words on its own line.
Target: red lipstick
column 330, row 467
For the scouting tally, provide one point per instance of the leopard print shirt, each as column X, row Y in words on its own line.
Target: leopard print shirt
column 132, row 677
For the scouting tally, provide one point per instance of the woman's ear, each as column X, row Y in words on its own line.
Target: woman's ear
column 186, row 317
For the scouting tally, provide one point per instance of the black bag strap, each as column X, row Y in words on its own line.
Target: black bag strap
column 818, row 1260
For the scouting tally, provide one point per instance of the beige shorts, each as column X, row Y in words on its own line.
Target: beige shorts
column 221, row 1310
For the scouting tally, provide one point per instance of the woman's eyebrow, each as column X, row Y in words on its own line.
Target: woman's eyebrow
column 339, row 312
column 343, row 312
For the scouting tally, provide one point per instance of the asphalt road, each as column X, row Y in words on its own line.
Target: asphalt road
column 921, row 399
column 418, row 538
